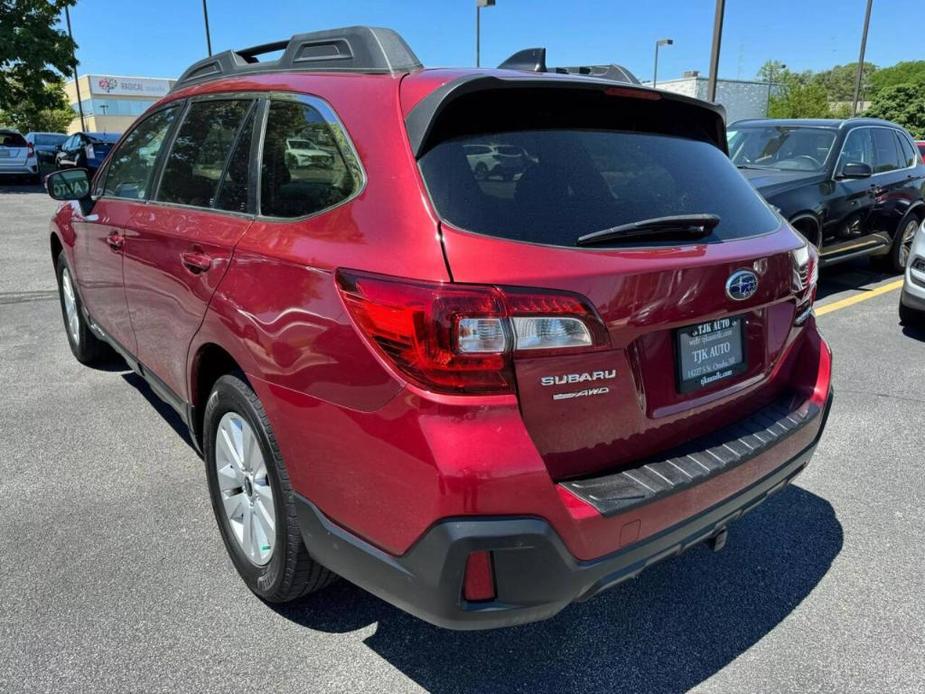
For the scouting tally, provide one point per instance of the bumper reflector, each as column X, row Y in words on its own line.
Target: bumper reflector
column 479, row 582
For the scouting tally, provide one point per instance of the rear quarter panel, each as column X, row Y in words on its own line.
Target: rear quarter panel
column 278, row 311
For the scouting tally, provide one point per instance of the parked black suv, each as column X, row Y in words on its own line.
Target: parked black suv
column 852, row 187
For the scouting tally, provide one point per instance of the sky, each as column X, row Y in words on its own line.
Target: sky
column 160, row 38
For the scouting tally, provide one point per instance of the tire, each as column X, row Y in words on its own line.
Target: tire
column 86, row 347
column 286, row 571
column 910, row 317
column 902, row 242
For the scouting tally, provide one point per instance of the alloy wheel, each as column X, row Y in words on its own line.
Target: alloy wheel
column 905, row 242
column 247, row 496
column 70, row 306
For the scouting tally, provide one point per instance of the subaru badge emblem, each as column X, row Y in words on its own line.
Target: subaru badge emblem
column 741, row 285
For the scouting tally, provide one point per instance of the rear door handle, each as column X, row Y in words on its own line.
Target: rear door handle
column 115, row 240
column 196, row 262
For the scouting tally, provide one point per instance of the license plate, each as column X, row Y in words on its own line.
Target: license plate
column 710, row 352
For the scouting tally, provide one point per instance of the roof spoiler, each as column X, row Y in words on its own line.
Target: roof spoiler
column 349, row 49
column 534, row 60
column 709, row 118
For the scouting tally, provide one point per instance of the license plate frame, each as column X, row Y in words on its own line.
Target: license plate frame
column 731, row 329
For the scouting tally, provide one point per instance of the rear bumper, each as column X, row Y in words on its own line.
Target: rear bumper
column 21, row 169
column 535, row 574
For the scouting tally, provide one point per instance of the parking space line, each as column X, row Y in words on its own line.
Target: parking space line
column 858, row 298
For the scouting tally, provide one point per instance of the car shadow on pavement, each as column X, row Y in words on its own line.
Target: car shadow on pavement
column 669, row 630
column 21, row 188
column 916, row 332
column 163, row 409
column 860, row 274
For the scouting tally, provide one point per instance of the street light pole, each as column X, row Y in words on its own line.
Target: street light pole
column 857, row 83
column 479, row 4
column 772, row 74
column 205, row 17
column 80, row 106
column 714, row 52
column 660, row 42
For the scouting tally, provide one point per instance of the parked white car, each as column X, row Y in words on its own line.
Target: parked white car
column 17, row 157
column 912, row 299
column 503, row 161
column 302, row 152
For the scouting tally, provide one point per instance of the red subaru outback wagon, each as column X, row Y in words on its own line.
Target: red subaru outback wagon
column 479, row 392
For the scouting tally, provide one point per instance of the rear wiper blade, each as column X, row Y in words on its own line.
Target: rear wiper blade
column 687, row 225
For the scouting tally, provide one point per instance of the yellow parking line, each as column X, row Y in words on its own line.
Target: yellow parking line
column 858, row 298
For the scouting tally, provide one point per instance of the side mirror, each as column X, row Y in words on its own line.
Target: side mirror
column 71, row 184
column 856, row 170
column 68, row 184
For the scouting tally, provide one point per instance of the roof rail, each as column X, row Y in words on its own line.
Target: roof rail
column 349, row 49
column 534, row 60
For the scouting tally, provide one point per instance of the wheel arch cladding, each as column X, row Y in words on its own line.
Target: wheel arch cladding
column 56, row 247
column 210, row 363
column 807, row 222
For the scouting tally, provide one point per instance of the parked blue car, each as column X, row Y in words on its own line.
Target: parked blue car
column 85, row 150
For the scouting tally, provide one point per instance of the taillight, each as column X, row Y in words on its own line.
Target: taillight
column 805, row 279
column 30, row 150
column 460, row 338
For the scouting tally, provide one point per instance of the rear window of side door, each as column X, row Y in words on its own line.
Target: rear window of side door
column 892, row 182
column 179, row 244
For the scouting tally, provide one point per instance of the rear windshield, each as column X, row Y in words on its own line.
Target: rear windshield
column 570, row 182
column 104, row 138
column 12, row 140
column 48, row 139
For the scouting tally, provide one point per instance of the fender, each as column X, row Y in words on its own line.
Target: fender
column 917, row 208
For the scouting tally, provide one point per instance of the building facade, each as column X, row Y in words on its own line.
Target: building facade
column 741, row 98
column 112, row 103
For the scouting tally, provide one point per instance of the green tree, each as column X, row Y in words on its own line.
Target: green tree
column 903, row 104
column 34, row 53
column 907, row 72
column 840, row 80
column 26, row 116
column 772, row 71
column 798, row 96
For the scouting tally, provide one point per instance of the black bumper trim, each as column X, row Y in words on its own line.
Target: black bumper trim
column 695, row 462
column 535, row 574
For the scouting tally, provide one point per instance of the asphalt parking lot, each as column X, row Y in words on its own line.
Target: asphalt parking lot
column 113, row 576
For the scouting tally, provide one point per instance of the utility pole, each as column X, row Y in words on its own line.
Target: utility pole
column 80, row 106
column 857, row 83
column 205, row 17
column 714, row 53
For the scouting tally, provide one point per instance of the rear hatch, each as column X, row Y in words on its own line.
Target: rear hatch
column 14, row 150
column 98, row 147
column 696, row 312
